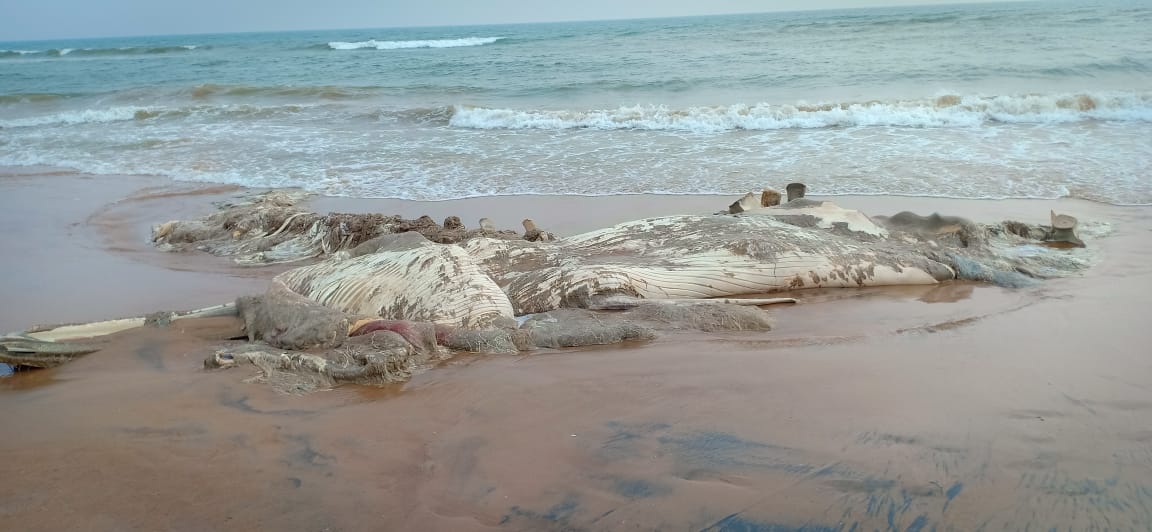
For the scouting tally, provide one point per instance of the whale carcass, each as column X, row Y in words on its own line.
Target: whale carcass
column 703, row 256
column 498, row 291
column 802, row 244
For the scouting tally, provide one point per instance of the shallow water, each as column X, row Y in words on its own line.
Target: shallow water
column 1013, row 100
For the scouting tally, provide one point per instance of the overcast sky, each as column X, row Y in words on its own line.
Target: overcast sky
column 50, row 19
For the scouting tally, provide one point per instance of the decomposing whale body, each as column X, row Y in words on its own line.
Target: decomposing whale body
column 802, row 244
column 272, row 228
column 697, row 257
column 472, row 278
column 445, row 288
column 404, row 277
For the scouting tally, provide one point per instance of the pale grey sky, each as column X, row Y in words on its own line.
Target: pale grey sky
column 50, row 19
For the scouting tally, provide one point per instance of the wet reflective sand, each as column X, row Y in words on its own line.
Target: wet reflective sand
column 956, row 407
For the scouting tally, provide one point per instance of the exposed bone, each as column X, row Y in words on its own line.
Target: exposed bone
column 534, row 234
column 17, row 351
column 1064, row 230
column 44, row 346
column 55, row 333
column 769, row 198
column 84, row 330
column 796, row 191
column 746, row 203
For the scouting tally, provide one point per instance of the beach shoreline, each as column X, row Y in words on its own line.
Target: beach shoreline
column 956, row 405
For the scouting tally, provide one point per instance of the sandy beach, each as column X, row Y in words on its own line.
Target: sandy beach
column 961, row 406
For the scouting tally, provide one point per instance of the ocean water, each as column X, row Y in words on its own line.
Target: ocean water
column 1015, row 100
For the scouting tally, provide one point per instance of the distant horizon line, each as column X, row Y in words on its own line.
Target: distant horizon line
column 525, row 23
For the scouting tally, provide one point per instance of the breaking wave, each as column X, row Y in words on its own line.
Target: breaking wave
column 84, row 116
column 17, row 53
column 127, row 112
column 943, row 111
column 125, row 50
column 395, row 45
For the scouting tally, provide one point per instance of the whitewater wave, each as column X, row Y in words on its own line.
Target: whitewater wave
column 124, row 50
column 943, row 111
column 395, row 45
column 17, row 53
column 83, row 116
column 139, row 113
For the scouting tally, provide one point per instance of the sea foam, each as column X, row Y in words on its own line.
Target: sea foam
column 942, row 111
column 394, row 45
column 122, row 50
column 140, row 113
column 83, row 116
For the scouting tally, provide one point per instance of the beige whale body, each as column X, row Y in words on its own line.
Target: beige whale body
column 671, row 257
column 679, row 257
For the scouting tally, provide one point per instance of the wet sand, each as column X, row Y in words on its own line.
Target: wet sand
column 76, row 248
column 956, row 407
